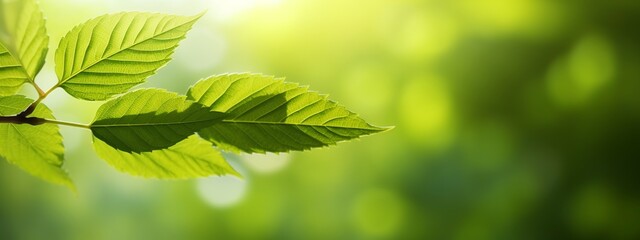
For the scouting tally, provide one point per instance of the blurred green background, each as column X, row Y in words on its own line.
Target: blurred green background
column 515, row 119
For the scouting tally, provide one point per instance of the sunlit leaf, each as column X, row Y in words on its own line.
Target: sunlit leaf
column 112, row 53
column 36, row 149
column 266, row 114
column 150, row 119
column 13, row 105
column 192, row 157
column 23, row 44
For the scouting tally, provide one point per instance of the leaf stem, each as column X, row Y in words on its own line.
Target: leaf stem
column 38, row 89
column 71, row 124
column 23, row 118
column 41, row 96
column 44, row 94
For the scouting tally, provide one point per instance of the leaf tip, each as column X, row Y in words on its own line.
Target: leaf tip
column 66, row 182
column 235, row 173
column 386, row 128
column 200, row 14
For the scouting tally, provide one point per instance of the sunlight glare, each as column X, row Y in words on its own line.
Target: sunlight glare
column 226, row 9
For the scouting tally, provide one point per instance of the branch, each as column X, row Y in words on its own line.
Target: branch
column 35, row 121
column 23, row 120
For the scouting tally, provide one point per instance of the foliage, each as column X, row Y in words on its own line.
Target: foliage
column 149, row 132
column 36, row 149
column 23, row 44
column 150, row 119
column 276, row 116
column 110, row 54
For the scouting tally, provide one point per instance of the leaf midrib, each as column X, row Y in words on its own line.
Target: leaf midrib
column 119, row 51
column 303, row 125
column 151, row 124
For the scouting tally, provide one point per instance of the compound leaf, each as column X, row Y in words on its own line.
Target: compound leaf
column 36, row 149
column 23, row 44
column 191, row 157
column 112, row 53
column 150, row 119
column 265, row 114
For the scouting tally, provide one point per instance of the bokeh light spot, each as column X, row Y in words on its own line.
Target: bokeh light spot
column 266, row 163
column 224, row 191
column 424, row 36
column 426, row 111
column 592, row 63
column 589, row 66
column 499, row 16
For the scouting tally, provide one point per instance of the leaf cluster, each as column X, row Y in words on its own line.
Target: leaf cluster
column 149, row 132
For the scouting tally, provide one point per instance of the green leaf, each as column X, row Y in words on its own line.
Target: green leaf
column 112, row 53
column 23, row 44
column 192, row 157
column 268, row 115
column 150, row 119
column 13, row 105
column 36, row 149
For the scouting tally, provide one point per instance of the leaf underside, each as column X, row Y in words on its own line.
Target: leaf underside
column 36, row 149
column 266, row 114
column 150, row 119
column 112, row 53
column 192, row 157
column 23, row 44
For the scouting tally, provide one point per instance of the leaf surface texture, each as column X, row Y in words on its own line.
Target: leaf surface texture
column 13, row 105
column 150, row 119
column 36, row 149
column 266, row 114
column 23, row 44
column 112, row 53
column 192, row 157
